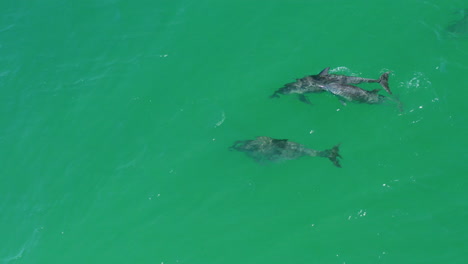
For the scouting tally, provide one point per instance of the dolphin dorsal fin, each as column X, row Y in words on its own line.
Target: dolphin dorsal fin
column 280, row 140
column 280, row 143
column 324, row 71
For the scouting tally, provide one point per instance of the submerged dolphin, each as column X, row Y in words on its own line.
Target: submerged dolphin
column 355, row 94
column 460, row 27
column 317, row 83
column 270, row 149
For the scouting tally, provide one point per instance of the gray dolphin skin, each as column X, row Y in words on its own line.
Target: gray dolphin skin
column 269, row 149
column 355, row 94
column 327, row 78
column 308, row 84
column 320, row 82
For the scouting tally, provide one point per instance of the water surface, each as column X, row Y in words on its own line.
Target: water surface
column 117, row 118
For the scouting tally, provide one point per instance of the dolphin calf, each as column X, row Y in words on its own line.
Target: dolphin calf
column 355, row 94
column 317, row 83
column 270, row 149
column 343, row 79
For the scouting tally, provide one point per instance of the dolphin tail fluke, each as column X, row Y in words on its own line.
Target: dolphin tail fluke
column 396, row 99
column 333, row 155
column 384, row 82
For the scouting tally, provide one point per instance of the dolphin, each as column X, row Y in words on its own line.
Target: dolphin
column 460, row 27
column 343, row 79
column 317, row 83
column 269, row 149
column 355, row 94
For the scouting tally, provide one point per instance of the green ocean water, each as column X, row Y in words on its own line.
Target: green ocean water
column 117, row 116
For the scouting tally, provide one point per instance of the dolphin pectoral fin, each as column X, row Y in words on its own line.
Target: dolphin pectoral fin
column 324, row 72
column 384, row 82
column 375, row 91
column 304, row 99
column 275, row 95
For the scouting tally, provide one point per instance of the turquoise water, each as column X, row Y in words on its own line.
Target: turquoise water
column 117, row 117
